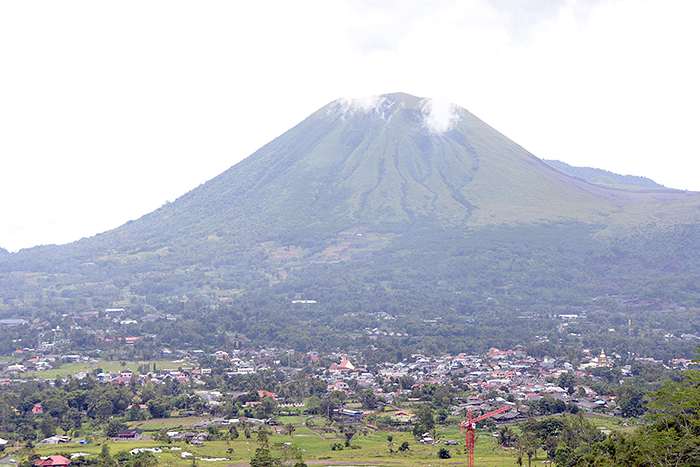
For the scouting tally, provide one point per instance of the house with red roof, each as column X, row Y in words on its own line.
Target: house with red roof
column 134, row 433
column 53, row 461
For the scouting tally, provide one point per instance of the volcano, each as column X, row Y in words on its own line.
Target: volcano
column 389, row 162
column 389, row 165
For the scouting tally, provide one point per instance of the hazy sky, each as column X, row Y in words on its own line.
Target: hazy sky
column 110, row 109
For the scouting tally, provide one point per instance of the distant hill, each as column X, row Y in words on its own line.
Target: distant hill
column 603, row 177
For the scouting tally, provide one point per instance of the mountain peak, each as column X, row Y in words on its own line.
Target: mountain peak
column 438, row 116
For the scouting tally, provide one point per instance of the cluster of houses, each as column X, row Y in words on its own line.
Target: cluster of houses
column 511, row 372
column 507, row 372
column 498, row 379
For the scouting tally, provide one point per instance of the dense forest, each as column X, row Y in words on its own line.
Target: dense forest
column 437, row 290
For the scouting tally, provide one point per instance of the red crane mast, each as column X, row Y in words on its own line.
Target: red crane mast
column 467, row 429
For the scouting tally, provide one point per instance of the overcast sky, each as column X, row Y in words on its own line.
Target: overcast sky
column 110, row 109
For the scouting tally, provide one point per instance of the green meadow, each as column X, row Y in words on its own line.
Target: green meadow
column 69, row 369
column 368, row 448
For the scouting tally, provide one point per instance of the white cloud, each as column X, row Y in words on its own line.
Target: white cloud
column 438, row 115
column 362, row 104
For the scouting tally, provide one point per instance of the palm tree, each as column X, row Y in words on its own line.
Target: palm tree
column 507, row 437
column 289, row 429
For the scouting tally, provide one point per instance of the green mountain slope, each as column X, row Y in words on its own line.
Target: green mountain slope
column 377, row 163
column 390, row 164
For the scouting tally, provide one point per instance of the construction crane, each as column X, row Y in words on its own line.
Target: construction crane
column 467, row 429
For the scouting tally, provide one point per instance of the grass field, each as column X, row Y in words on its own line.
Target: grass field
column 67, row 369
column 371, row 449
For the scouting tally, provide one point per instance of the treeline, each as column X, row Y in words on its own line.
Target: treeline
column 672, row 437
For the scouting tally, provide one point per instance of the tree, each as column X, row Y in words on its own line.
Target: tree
column 214, row 431
column 313, row 405
column 406, row 382
column 550, row 446
column 631, row 401
column 444, row 453
column 328, row 405
column 159, row 407
column 75, row 417
column 367, row 399
column 562, row 454
column 425, row 415
column 142, row 459
column 135, row 413
column 47, row 426
column 114, row 427
column 162, row 435
column 103, row 410
column 507, row 437
column 673, row 437
column 290, row 456
column 566, row 380
column 56, row 407
column 528, row 444
column 262, row 457
column 348, row 433
column 266, row 408
column 289, row 429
